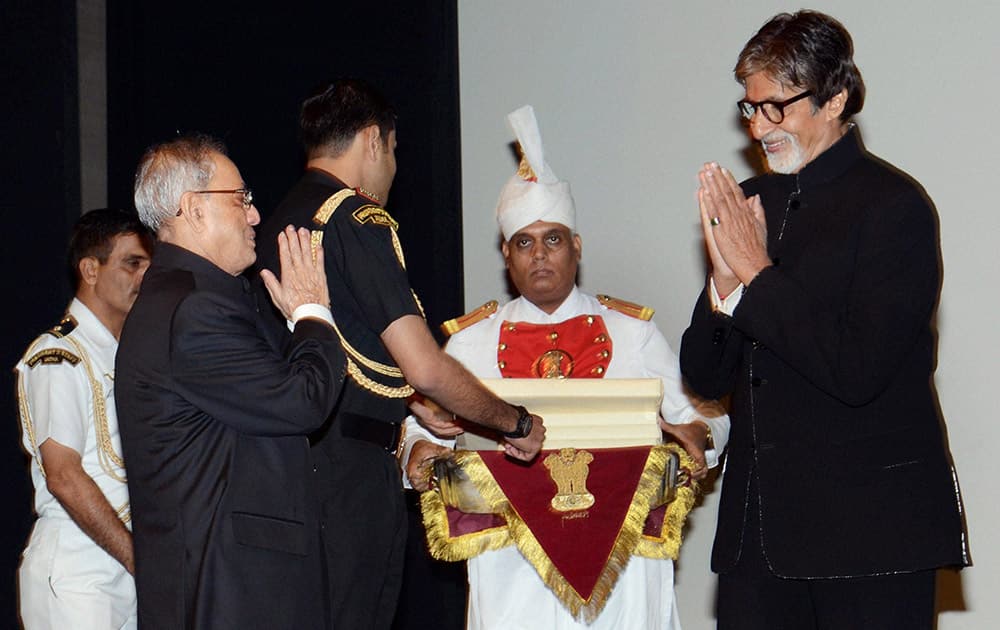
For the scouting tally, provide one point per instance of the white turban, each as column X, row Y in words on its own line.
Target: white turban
column 541, row 198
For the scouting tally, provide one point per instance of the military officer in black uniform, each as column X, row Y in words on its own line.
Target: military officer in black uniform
column 348, row 132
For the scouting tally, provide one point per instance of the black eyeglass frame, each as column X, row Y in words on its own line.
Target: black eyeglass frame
column 749, row 108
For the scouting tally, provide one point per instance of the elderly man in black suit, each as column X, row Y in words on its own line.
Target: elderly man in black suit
column 215, row 404
column 840, row 499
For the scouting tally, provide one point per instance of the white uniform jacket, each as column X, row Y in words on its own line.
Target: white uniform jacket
column 66, row 393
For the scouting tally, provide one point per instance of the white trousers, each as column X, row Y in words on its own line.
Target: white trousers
column 506, row 593
column 66, row 581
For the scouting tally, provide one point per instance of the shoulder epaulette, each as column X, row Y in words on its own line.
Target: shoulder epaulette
column 52, row 356
column 452, row 326
column 322, row 216
column 631, row 309
column 64, row 327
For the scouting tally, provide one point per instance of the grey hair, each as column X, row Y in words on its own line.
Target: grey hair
column 808, row 50
column 168, row 170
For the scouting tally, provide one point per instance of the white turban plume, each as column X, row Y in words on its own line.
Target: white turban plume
column 523, row 201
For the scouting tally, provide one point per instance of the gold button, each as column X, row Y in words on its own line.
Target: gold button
column 604, row 354
column 601, row 338
column 599, row 369
column 553, row 335
column 502, row 347
column 502, row 364
column 590, row 320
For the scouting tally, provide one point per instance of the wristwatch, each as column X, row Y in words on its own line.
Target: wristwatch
column 524, row 424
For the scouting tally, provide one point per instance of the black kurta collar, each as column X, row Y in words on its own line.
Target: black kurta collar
column 833, row 162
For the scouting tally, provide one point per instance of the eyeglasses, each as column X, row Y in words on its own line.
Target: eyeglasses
column 246, row 192
column 774, row 111
column 247, row 200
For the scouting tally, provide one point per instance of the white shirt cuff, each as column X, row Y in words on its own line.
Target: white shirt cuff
column 728, row 305
column 315, row 311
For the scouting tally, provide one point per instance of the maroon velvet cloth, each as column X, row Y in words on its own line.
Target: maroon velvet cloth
column 578, row 543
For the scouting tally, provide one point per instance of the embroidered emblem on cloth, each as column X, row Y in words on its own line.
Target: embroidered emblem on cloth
column 569, row 469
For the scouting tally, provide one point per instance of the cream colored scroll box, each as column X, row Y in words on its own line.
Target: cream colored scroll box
column 580, row 412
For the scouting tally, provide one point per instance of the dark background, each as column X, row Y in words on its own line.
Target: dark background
column 231, row 71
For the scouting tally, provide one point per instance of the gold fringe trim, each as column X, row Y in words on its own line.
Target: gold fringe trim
column 668, row 544
column 443, row 546
column 630, row 539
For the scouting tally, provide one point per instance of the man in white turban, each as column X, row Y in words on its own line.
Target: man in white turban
column 542, row 250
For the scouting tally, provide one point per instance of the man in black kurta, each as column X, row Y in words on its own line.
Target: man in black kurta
column 839, row 498
column 215, row 404
column 348, row 130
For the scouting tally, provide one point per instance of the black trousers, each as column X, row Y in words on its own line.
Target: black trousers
column 363, row 530
column 753, row 598
column 434, row 592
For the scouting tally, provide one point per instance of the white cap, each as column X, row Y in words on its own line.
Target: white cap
column 534, row 193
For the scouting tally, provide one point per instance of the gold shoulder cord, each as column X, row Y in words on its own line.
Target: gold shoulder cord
column 398, row 248
column 106, row 455
column 321, row 218
column 458, row 324
column 631, row 309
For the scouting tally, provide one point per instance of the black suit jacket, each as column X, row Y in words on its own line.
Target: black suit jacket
column 829, row 357
column 214, row 405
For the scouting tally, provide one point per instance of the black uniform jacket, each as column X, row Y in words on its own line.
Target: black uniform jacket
column 829, row 359
column 214, row 404
column 369, row 286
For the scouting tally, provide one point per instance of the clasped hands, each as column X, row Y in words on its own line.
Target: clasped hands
column 734, row 227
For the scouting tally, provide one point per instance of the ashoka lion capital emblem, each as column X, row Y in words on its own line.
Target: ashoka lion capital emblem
column 569, row 469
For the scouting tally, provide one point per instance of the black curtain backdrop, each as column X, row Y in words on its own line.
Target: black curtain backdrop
column 235, row 70
column 41, row 199
column 240, row 74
